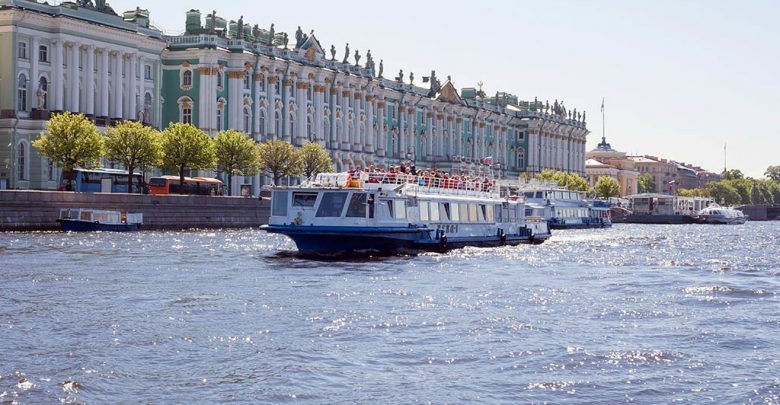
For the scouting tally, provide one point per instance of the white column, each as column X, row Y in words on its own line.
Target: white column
column 401, row 132
column 34, row 82
column 58, row 80
column 203, row 102
column 132, row 87
column 117, row 79
column 73, row 76
column 369, row 141
column 90, row 78
column 102, row 105
column 319, row 114
column 300, row 126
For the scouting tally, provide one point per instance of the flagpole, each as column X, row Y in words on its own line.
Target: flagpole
column 603, row 123
column 724, row 157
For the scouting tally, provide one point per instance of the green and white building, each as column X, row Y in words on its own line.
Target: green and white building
column 224, row 74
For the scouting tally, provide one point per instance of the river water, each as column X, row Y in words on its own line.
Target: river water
column 636, row 313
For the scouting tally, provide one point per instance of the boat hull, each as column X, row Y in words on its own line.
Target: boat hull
column 329, row 241
column 587, row 223
column 75, row 225
column 723, row 221
column 659, row 219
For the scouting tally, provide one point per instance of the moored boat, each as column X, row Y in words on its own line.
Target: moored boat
column 715, row 214
column 565, row 209
column 652, row 208
column 87, row 219
column 381, row 213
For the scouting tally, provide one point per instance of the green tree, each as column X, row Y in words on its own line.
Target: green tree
column 236, row 154
column 773, row 173
column 186, row 147
column 646, row 183
column 71, row 141
column 134, row 145
column 571, row 181
column 314, row 159
column 279, row 158
column 607, row 187
column 723, row 193
column 693, row 192
column 733, row 174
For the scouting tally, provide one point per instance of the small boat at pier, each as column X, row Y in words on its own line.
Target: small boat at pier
column 565, row 209
column 88, row 220
column 650, row 208
column 386, row 213
column 715, row 214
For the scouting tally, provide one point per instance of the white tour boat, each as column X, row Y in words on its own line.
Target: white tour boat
column 715, row 214
column 565, row 209
column 392, row 212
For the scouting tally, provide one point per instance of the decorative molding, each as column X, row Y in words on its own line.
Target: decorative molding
column 302, row 85
column 272, row 79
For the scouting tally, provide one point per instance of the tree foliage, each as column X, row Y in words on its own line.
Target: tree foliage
column 186, row 147
column 134, row 145
column 693, row 192
column 723, row 193
column 279, row 158
column 314, row 159
column 572, row 181
column 606, row 187
column 70, row 141
column 646, row 183
column 773, row 173
column 733, row 174
column 236, row 154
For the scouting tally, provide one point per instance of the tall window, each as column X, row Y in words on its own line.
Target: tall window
column 185, row 110
column 278, row 125
column 22, row 93
column 43, row 85
column 21, row 50
column 43, row 53
column 309, row 129
column 261, row 123
column 21, row 161
column 292, row 125
column 220, row 79
column 186, row 78
column 521, row 159
column 247, row 81
column 147, row 116
column 219, row 119
column 247, row 121
column 148, row 72
column 262, row 84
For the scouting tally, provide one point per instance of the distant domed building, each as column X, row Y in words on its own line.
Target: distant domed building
column 605, row 161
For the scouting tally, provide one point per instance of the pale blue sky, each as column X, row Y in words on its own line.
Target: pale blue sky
column 680, row 78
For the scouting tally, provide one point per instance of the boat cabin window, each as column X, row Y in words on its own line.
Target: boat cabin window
column 499, row 212
column 529, row 194
column 445, row 212
column 357, row 206
column 332, row 204
column 400, row 209
column 488, row 213
column 473, row 213
column 424, row 211
column 279, row 203
column 304, row 199
column 454, row 212
column 464, row 212
column 435, row 211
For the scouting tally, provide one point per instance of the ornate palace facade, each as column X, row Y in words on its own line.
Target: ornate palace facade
column 227, row 75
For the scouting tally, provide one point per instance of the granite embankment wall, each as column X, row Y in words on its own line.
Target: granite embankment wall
column 38, row 210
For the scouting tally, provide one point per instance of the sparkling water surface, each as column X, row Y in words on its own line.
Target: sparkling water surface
column 632, row 314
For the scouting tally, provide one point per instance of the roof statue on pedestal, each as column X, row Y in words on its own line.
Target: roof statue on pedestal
column 400, row 77
column 411, row 77
column 272, row 33
column 99, row 5
column 536, row 103
column 583, row 117
column 435, row 84
column 579, row 117
column 333, row 52
column 299, row 37
column 240, row 28
column 285, row 40
column 256, row 32
column 556, row 107
column 369, row 60
column 213, row 18
column 381, row 68
column 357, row 57
column 574, row 114
column 346, row 54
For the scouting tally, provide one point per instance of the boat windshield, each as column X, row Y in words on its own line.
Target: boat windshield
column 332, row 204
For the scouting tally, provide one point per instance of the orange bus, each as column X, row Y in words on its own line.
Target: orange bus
column 192, row 185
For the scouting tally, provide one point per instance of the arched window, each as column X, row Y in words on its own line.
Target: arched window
column 521, row 159
column 147, row 115
column 309, row 129
column 247, row 81
column 22, row 93
column 22, row 160
column 186, row 78
column 185, row 110
column 220, row 114
column 277, row 125
column 247, row 121
column 220, row 79
column 261, row 124
column 43, row 86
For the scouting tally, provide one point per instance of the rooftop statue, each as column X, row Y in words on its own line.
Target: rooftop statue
column 240, row 28
column 299, row 37
column 400, row 77
column 357, row 57
column 271, row 35
column 369, row 60
column 411, row 77
column 583, row 117
column 333, row 52
column 435, row 84
column 285, row 40
column 256, row 32
column 99, row 5
column 213, row 21
column 346, row 54
column 381, row 67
